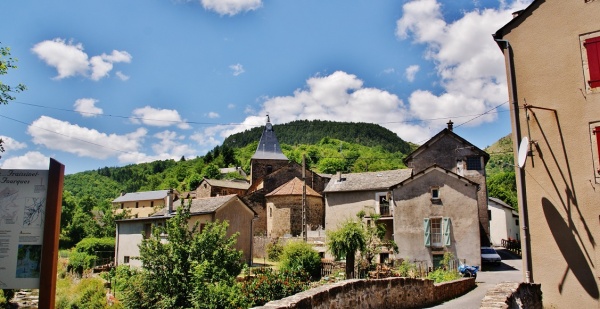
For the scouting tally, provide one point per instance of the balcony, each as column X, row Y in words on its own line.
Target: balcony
column 384, row 210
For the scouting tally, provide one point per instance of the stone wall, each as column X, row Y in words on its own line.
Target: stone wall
column 393, row 292
column 514, row 295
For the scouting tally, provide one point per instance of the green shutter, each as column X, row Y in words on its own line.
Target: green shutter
column 446, row 227
column 427, row 229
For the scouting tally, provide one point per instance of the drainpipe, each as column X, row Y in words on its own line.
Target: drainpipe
column 520, row 173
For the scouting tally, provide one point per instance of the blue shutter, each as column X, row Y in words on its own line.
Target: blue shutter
column 446, row 229
column 427, row 229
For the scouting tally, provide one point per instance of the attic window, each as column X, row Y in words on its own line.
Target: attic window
column 474, row 163
column 435, row 193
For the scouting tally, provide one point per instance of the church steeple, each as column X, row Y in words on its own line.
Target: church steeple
column 268, row 146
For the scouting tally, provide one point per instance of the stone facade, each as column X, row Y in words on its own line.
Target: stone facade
column 285, row 214
column 453, row 153
column 393, row 293
column 212, row 187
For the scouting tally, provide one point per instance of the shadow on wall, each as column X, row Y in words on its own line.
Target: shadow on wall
column 564, row 235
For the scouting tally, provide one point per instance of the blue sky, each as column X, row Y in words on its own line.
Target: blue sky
column 113, row 82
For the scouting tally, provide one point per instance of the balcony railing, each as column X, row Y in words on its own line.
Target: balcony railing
column 384, row 210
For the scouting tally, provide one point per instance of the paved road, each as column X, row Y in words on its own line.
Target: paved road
column 509, row 270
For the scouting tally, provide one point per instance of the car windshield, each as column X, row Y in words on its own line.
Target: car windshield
column 488, row 251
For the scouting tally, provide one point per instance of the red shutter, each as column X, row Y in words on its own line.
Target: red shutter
column 592, row 46
column 597, row 133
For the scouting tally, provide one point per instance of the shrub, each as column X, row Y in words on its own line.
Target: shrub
column 268, row 285
column 5, row 296
column 274, row 251
column 407, row 269
column 298, row 255
column 88, row 250
column 441, row 275
column 80, row 261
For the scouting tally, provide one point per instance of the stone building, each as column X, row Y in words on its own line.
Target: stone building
column 284, row 209
column 552, row 58
column 453, row 153
column 143, row 204
column 217, row 187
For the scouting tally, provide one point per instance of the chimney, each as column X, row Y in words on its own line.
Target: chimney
column 450, row 125
column 170, row 201
column 338, row 175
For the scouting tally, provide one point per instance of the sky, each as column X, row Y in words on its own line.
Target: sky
column 113, row 82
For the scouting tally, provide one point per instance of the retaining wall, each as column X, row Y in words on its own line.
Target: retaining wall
column 394, row 292
column 514, row 295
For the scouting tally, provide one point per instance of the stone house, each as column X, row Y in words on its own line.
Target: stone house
column 284, row 209
column 436, row 212
column 131, row 232
column 504, row 221
column 217, row 187
column 552, row 59
column 143, row 204
column 453, row 153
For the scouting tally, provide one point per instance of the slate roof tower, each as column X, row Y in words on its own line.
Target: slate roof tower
column 268, row 156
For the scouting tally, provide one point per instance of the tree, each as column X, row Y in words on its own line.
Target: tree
column 7, row 91
column 374, row 237
column 346, row 241
column 211, row 171
column 186, row 268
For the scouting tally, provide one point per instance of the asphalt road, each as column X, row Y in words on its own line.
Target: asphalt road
column 488, row 277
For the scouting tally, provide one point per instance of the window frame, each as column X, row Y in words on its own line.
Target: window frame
column 470, row 161
column 443, row 237
column 590, row 57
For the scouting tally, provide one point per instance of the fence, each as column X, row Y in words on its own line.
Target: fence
column 512, row 245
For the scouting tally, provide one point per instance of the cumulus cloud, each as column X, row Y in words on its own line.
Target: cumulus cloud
column 468, row 62
column 87, row 107
column 231, row 7
column 411, row 71
column 230, row 106
column 168, row 146
column 70, row 60
column 121, row 76
column 158, row 117
column 213, row 115
column 31, row 160
column 61, row 135
column 237, row 69
column 11, row 144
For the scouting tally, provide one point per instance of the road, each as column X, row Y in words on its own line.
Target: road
column 508, row 271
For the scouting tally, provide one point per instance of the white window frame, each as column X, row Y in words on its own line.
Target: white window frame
column 435, row 189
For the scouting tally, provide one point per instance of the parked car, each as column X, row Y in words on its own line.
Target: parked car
column 489, row 255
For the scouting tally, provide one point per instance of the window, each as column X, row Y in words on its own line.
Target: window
column 489, row 214
column 595, row 149
column 122, row 204
column 151, row 203
column 474, row 163
column 147, row 230
column 435, row 193
column 592, row 51
column 437, row 232
column 126, row 259
column 383, row 204
column 269, row 169
column 136, row 204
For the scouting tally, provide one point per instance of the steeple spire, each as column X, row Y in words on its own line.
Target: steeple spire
column 268, row 146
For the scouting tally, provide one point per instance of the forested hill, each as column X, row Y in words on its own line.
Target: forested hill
column 310, row 132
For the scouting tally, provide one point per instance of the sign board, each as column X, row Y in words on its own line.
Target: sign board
column 23, row 196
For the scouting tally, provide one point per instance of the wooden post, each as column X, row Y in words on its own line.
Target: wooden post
column 51, row 232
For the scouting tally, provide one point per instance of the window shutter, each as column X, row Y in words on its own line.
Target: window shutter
column 427, row 229
column 592, row 47
column 446, row 228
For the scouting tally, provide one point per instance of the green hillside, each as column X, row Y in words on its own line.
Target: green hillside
column 500, row 171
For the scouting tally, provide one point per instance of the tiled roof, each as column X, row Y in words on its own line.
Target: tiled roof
column 435, row 138
column 142, row 196
column 244, row 185
column 293, row 187
column 201, row 205
column 381, row 180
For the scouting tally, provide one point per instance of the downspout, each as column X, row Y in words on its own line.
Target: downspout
column 520, row 173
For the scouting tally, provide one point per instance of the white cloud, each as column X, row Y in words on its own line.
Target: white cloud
column 230, row 106
column 158, row 117
column 121, row 76
column 84, row 142
column 231, row 7
column 31, row 160
column 167, row 147
column 11, row 144
column 87, row 107
column 237, row 69
column 69, row 59
column 213, row 115
column 468, row 62
column 411, row 71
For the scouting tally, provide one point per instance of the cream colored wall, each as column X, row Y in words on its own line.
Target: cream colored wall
column 499, row 224
column 239, row 217
column 341, row 206
column 144, row 209
column 129, row 236
column 459, row 203
column 562, row 188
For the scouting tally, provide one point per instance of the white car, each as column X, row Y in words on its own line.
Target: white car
column 489, row 255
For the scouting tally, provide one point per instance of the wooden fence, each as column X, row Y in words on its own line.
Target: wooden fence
column 512, row 245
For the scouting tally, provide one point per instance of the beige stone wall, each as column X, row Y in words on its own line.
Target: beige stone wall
column 341, row 206
column 457, row 202
column 139, row 209
column 284, row 214
column 240, row 221
column 393, row 293
column 561, row 179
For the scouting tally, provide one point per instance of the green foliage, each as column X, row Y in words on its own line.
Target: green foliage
column 186, row 266
column 407, row 269
column 500, row 171
column 504, row 187
column 298, row 255
column 211, row 171
column 88, row 293
column 346, row 242
column 274, row 251
column 268, row 284
column 444, row 272
column 5, row 296
column 94, row 245
column 6, row 63
column 88, row 252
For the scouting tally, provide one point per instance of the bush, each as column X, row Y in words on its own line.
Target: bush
column 298, row 255
column 441, row 275
column 88, row 250
column 5, row 296
column 80, row 261
column 89, row 293
column 274, row 251
column 268, row 284
column 407, row 269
